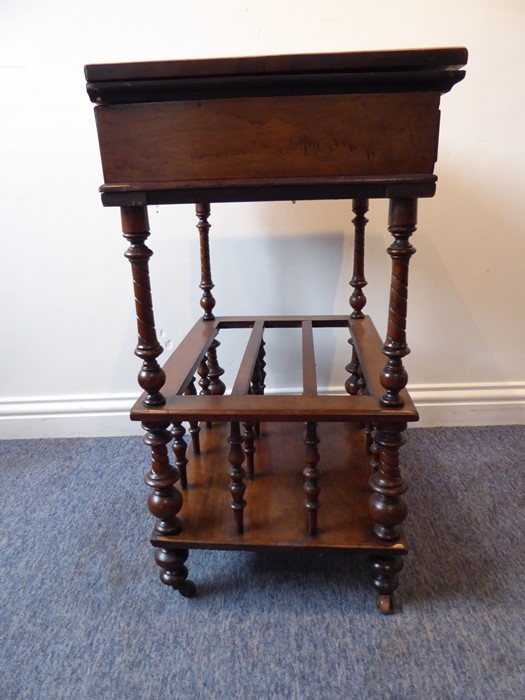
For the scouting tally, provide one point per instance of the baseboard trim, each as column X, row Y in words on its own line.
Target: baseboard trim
column 488, row 403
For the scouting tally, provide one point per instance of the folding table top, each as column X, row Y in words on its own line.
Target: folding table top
column 309, row 126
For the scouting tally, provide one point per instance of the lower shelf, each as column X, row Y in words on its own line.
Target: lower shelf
column 275, row 515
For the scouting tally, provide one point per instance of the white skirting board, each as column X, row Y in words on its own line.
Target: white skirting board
column 446, row 405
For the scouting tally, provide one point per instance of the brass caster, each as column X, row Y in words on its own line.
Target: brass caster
column 385, row 604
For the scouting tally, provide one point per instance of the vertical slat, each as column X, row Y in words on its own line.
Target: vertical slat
column 244, row 375
column 309, row 373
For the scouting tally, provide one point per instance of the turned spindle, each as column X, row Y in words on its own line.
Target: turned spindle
column 151, row 378
column 204, row 382
column 249, row 447
column 179, row 450
column 209, row 371
column 311, row 475
column 207, row 301
column 237, row 474
column 215, row 371
column 373, row 448
column 387, row 507
column 358, row 281
column 194, row 425
column 402, row 220
column 164, row 503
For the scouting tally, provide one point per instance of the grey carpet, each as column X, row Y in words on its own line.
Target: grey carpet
column 83, row 614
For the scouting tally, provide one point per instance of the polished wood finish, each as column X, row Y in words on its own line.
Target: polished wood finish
column 354, row 72
column 237, row 474
column 151, row 377
column 250, row 406
column 402, row 220
column 248, row 438
column 295, row 136
column 387, row 507
column 309, row 371
column 311, row 476
column 164, row 503
column 275, row 512
column 207, row 300
column 358, row 281
column 356, row 126
column 179, row 449
column 138, row 194
column 355, row 383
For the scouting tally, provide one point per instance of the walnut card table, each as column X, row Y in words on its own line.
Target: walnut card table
column 310, row 127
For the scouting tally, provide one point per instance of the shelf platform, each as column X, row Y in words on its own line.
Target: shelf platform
column 275, row 515
column 241, row 405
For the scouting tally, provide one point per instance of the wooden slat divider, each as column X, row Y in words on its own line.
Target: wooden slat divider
column 282, row 321
column 309, row 373
column 182, row 364
column 244, row 376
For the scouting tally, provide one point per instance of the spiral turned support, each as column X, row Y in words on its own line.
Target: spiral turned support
column 401, row 224
column 387, row 507
column 354, row 383
column 207, row 300
column 135, row 227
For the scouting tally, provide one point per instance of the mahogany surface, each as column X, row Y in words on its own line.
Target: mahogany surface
column 276, row 516
column 304, row 470
column 284, row 136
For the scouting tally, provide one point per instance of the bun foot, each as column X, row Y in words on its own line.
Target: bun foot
column 385, row 604
column 188, row 589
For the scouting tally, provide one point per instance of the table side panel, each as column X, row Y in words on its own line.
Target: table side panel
column 276, row 137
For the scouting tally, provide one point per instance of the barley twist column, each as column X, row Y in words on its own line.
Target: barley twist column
column 355, row 383
column 151, row 377
column 401, row 224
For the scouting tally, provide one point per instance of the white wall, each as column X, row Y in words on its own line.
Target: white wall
column 68, row 324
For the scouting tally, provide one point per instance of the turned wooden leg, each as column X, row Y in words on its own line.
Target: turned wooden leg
column 135, row 227
column 179, row 449
column 237, row 474
column 164, row 503
column 311, row 475
column 385, row 579
column 194, row 425
column 401, row 224
column 173, row 572
column 249, row 448
column 387, row 507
